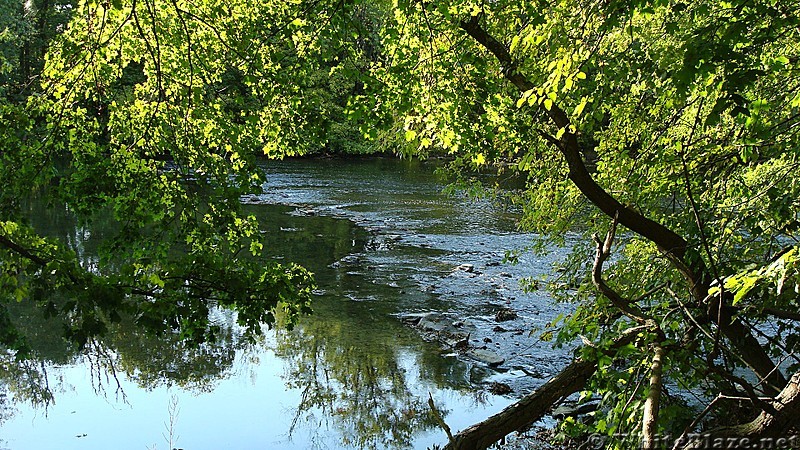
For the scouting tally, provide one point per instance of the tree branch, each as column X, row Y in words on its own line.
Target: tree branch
column 783, row 314
column 652, row 403
column 670, row 243
column 22, row 251
column 603, row 252
column 783, row 417
column 667, row 240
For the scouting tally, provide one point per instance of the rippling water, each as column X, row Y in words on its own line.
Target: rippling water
column 382, row 240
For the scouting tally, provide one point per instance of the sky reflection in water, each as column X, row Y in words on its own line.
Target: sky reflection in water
column 350, row 376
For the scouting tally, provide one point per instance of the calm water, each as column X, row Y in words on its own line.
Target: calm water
column 382, row 240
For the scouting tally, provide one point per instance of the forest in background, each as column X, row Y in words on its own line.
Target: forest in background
column 664, row 131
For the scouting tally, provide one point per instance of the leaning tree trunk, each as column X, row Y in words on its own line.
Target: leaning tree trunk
column 526, row 411
column 757, row 433
column 535, row 405
column 671, row 244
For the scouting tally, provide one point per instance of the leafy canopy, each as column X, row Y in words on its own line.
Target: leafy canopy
column 676, row 119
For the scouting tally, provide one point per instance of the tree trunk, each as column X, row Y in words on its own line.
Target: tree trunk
column 765, row 430
column 653, row 402
column 671, row 244
column 748, row 348
column 526, row 411
column 26, row 51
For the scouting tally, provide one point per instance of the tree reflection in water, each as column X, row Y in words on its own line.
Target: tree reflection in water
column 371, row 384
column 364, row 395
column 147, row 359
column 368, row 383
column 359, row 372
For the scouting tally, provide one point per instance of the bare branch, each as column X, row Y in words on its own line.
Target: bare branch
column 603, row 252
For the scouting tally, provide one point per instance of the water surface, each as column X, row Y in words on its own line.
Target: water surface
column 382, row 240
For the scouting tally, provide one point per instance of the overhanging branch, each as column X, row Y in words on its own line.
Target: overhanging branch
column 669, row 242
column 22, row 251
column 672, row 244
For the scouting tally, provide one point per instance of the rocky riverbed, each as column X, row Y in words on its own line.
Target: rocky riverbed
column 445, row 258
column 462, row 293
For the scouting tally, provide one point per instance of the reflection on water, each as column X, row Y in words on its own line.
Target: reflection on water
column 381, row 239
column 365, row 393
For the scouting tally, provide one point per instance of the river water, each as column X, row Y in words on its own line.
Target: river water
column 383, row 242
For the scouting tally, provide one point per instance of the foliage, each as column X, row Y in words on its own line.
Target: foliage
column 26, row 28
column 677, row 119
column 132, row 125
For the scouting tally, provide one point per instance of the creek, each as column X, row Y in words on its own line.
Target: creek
column 384, row 243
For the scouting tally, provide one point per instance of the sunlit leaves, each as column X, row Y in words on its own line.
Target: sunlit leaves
column 580, row 107
column 149, row 116
column 779, row 275
column 684, row 112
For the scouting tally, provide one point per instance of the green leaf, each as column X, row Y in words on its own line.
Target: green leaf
column 747, row 284
column 525, row 97
column 514, row 43
column 580, row 107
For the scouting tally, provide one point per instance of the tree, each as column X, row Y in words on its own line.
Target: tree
column 25, row 30
column 120, row 131
column 673, row 122
column 664, row 129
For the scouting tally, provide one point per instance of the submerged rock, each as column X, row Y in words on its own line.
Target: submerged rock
column 432, row 322
column 498, row 388
column 468, row 268
column 412, row 319
column 504, row 315
column 572, row 410
column 347, row 261
column 487, row 357
column 458, row 341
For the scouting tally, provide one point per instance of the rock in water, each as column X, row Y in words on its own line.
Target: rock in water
column 469, row 268
column 498, row 388
column 488, row 357
column 504, row 315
